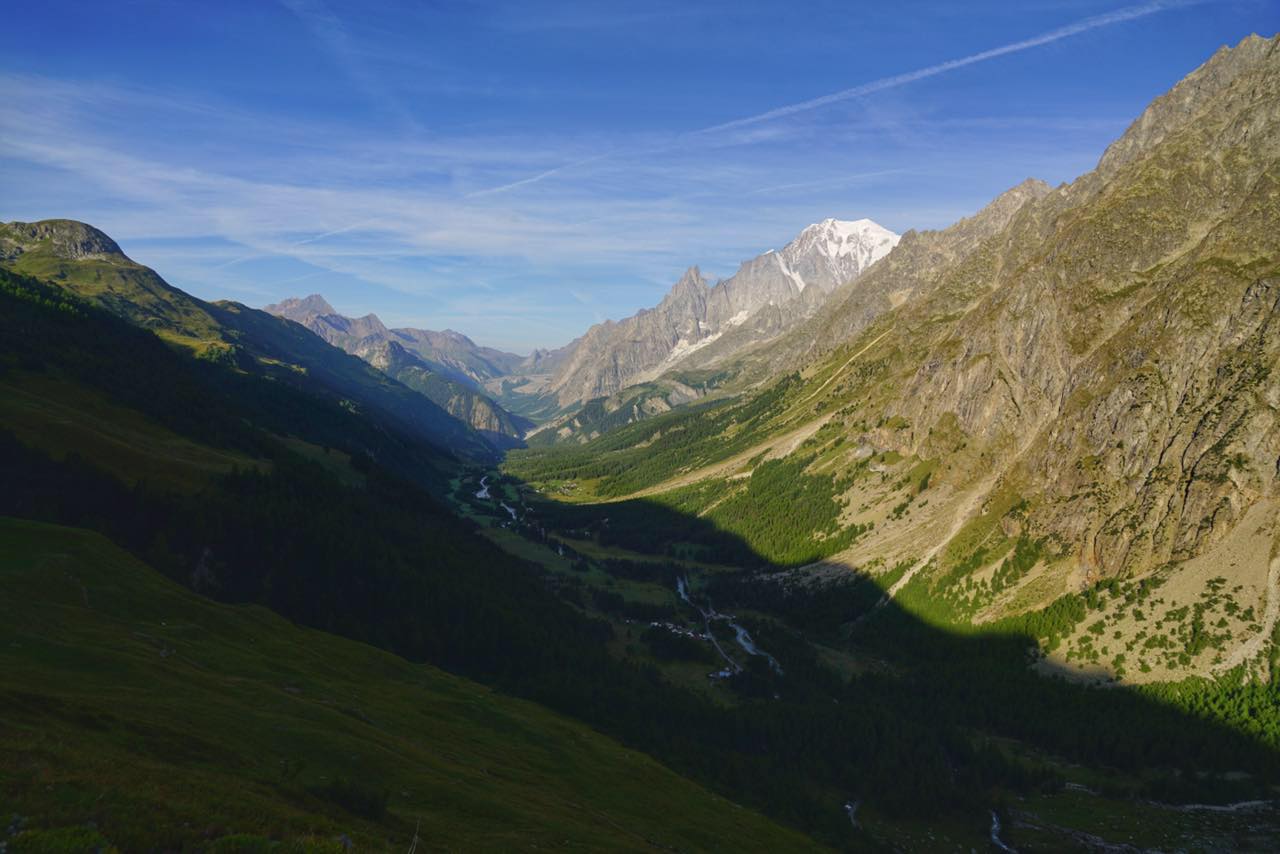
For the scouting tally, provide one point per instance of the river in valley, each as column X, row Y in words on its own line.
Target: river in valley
column 741, row 635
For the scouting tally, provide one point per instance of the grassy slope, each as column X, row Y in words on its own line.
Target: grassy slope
column 64, row 417
column 131, row 290
column 216, row 330
column 169, row 720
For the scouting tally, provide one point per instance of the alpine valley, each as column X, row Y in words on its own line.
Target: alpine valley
column 954, row 540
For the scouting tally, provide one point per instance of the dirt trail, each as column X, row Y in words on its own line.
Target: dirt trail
column 841, row 370
column 790, row 441
column 779, row 446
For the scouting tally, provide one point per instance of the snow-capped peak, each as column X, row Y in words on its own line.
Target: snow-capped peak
column 834, row 251
column 835, row 237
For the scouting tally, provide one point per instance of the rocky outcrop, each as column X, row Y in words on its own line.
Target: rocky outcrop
column 63, row 238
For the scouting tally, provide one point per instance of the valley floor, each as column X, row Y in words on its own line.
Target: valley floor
column 1092, row 808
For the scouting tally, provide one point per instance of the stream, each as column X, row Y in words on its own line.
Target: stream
column 995, row 834
column 741, row 635
column 484, row 494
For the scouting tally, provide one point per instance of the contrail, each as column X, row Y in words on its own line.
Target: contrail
column 832, row 182
column 1119, row 16
column 536, row 178
column 303, row 242
column 1096, row 22
column 361, row 224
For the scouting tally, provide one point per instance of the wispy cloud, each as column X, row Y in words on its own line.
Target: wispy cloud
column 333, row 36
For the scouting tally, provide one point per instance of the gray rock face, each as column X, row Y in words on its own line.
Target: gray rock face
column 1114, row 345
column 293, row 307
column 768, row 294
column 67, row 239
column 1184, row 102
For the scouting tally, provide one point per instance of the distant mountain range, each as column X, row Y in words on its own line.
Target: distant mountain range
column 504, row 395
column 447, row 367
column 450, row 354
column 500, row 396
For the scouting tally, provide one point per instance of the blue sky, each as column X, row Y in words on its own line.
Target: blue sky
column 520, row 170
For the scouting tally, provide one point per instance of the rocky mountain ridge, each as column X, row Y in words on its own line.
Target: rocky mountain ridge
column 449, row 373
column 1098, row 374
column 449, row 353
column 1076, row 389
column 68, row 239
column 695, row 314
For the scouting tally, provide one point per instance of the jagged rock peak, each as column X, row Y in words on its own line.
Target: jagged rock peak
column 1005, row 205
column 691, row 284
column 691, row 276
column 390, row 357
column 1184, row 101
column 1030, row 188
column 67, row 238
column 993, row 217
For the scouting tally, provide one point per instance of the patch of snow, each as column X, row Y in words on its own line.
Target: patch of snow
column 791, row 274
column 683, row 348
